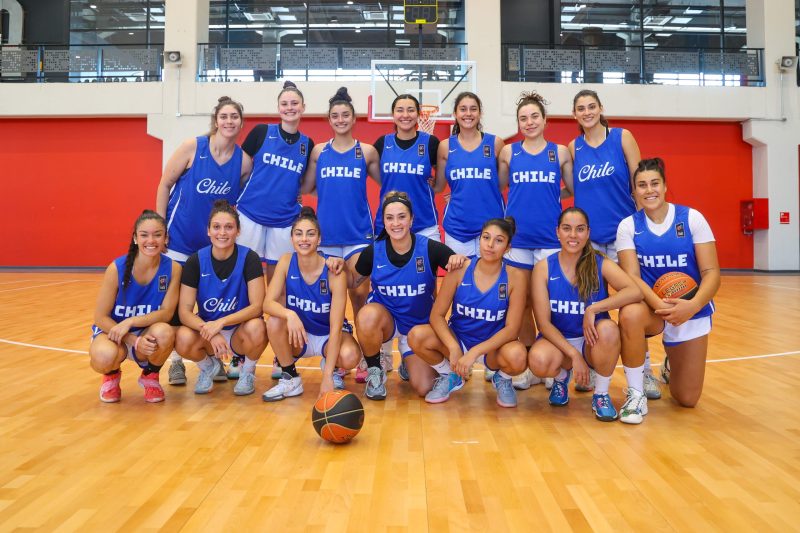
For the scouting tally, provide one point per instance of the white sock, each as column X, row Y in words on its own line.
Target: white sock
column 601, row 384
column 503, row 374
column 647, row 363
column 386, row 347
column 249, row 365
column 562, row 375
column 206, row 364
column 635, row 377
column 442, row 368
column 174, row 357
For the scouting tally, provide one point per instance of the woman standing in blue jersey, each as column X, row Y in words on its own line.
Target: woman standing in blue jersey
column 660, row 238
column 339, row 169
column 309, row 320
column 226, row 284
column 402, row 267
column 137, row 299
column 533, row 169
column 268, row 204
column 407, row 158
column 571, row 304
column 467, row 161
column 486, row 300
column 201, row 171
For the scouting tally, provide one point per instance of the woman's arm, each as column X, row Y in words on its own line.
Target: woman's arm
column 503, row 161
column 631, row 150
column 373, row 162
column 309, row 182
column 441, row 163
column 626, row 293
column 273, row 305
column 498, row 149
column 338, row 286
column 247, row 168
column 441, row 306
column 180, row 161
column 565, row 157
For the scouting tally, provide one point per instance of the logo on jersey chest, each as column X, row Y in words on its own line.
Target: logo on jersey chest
column 567, row 307
column 394, row 291
column 590, row 172
column 551, row 156
column 487, row 150
column 533, row 176
column 359, row 153
column 478, row 313
column 420, row 264
column 340, row 172
column 221, row 305
column 404, row 168
column 127, row 311
column 323, row 286
column 162, row 283
column 502, row 291
column 471, row 173
column 210, row 186
column 303, row 149
column 307, row 305
column 663, row 261
column 679, row 230
column 420, row 150
column 280, row 161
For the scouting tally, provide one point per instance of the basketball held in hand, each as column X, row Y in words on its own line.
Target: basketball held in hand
column 338, row 416
column 675, row 285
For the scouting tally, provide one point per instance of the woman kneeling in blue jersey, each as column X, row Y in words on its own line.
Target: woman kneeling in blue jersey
column 137, row 298
column 226, row 282
column 661, row 238
column 571, row 304
column 487, row 300
column 402, row 267
column 310, row 322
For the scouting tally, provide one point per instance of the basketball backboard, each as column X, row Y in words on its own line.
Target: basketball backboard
column 436, row 84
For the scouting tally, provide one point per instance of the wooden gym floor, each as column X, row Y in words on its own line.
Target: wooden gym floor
column 216, row 463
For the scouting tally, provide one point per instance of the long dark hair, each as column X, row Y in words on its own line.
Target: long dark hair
column 461, row 96
column 586, row 278
column 133, row 247
column 592, row 94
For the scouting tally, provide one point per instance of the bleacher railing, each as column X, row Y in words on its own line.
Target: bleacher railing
column 81, row 63
column 633, row 64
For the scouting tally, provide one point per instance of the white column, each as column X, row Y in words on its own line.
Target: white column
column 775, row 137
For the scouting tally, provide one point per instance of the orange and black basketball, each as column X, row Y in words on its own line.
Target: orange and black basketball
column 338, row 416
column 675, row 285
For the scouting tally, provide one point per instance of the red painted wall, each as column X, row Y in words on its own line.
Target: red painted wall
column 76, row 185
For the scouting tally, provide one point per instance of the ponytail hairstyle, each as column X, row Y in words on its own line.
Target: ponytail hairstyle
column 590, row 94
column 133, row 247
column 222, row 101
column 507, row 225
column 654, row 164
column 532, row 97
column 405, row 96
column 586, row 277
column 307, row 213
column 223, row 206
column 393, row 197
column 461, row 96
column 341, row 98
column 290, row 87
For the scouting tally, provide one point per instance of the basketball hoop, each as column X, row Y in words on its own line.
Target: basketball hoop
column 427, row 110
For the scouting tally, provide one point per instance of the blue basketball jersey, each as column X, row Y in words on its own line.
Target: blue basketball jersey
column 312, row 303
column 408, row 171
column 602, row 184
column 474, row 193
column 407, row 292
column 270, row 195
column 476, row 316
column 342, row 208
column 534, row 196
column 566, row 307
column 194, row 194
column 671, row 252
column 135, row 299
column 216, row 297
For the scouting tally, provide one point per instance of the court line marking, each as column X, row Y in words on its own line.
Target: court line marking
column 46, row 285
column 723, row 360
column 777, row 286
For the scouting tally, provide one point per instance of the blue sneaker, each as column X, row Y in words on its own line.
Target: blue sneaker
column 443, row 386
column 205, row 381
column 506, row 394
column 402, row 370
column 603, row 408
column 559, row 394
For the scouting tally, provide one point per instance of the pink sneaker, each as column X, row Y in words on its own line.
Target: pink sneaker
column 109, row 390
column 361, row 371
column 153, row 393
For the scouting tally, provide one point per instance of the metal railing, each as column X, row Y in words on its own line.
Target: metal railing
column 80, row 63
column 633, row 64
column 345, row 62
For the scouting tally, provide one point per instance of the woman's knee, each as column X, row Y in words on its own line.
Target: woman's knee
column 276, row 326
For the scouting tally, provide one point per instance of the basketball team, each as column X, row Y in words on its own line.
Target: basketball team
column 528, row 289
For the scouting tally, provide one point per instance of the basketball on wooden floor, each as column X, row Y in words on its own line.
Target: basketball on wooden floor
column 338, row 416
column 675, row 285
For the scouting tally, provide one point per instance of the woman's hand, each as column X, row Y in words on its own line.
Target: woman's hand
column 146, row 345
column 220, row 346
column 118, row 332
column 297, row 333
column 335, row 264
column 679, row 311
column 589, row 331
column 210, row 329
column 455, row 262
column 464, row 364
column 580, row 369
column 326, row 385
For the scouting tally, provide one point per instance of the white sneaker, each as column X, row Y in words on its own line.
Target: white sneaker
column 548, row 383
column 526, row 380
column 635, row 407
column 286, row 388
column 387, row 359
